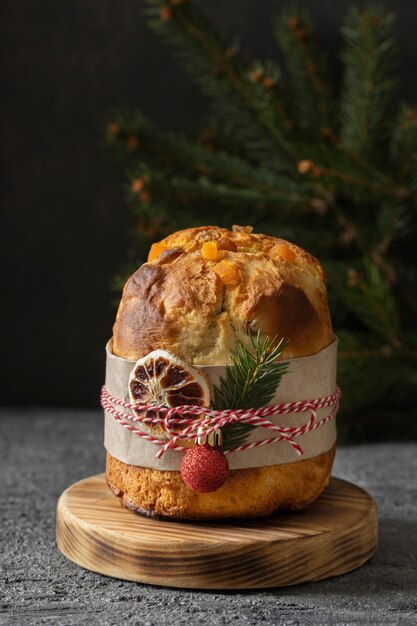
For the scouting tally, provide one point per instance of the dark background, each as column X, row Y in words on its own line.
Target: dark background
column 64, row 222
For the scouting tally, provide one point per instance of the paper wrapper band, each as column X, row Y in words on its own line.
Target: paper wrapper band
column 307, row 378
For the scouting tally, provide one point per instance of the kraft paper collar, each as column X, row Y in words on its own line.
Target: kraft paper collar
column 308, row 377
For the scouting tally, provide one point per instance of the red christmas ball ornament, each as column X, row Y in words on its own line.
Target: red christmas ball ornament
column 204, row 468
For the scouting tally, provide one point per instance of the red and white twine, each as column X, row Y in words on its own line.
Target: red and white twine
column 214, row 419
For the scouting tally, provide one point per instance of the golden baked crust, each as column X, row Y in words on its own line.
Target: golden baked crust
column 181, row 302
column 178, row 302
column 251, row 492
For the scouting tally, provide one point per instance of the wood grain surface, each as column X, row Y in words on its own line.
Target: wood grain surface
column 335, row 535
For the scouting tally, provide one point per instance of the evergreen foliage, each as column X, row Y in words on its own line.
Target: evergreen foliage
column 250, row 382
column 334, row 170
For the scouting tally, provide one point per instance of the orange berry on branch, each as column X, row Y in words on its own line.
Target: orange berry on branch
column 301, row 33
column 218, row 70
column 113, row 129
column 269, row 82
column 132, row 143
column 352, row 277
column 145, row 195
column 293, row 21
column 165, row 13
column 316, row 171
column 256, row 75
column 137, row 185
column 304, row 166
column 319, row 206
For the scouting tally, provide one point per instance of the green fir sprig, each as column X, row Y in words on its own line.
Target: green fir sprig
column 250, row 381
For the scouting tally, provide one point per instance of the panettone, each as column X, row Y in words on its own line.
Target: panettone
column 201, row 291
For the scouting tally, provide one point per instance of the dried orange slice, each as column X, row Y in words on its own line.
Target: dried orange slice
column 163, row 379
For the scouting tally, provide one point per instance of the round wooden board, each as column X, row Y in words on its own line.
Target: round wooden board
column 335, row 535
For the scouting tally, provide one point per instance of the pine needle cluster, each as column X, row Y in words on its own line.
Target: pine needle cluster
column 331, row 167
column 250, row 381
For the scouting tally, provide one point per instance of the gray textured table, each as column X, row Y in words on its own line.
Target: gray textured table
column 43, row 451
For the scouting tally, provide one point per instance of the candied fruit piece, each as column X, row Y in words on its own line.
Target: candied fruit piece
column 228, row 273
column 242, row 229
column 282, row 251
column 209, row 250
column 169, row 255
column 156, row 250
column 226, row 244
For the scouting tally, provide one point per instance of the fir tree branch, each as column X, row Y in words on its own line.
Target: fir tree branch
column 213, row 66
column 306, row 66
column 404, row 144
column 359, row 358
column 407, row 281
column 249, row 382
column 174, row 149
column 348, row 178
column 311, row 94
column 364, row 242
column 366, row 168
column 258, row 196
column 369, row 81
column 364, row 345
column 369, row 297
